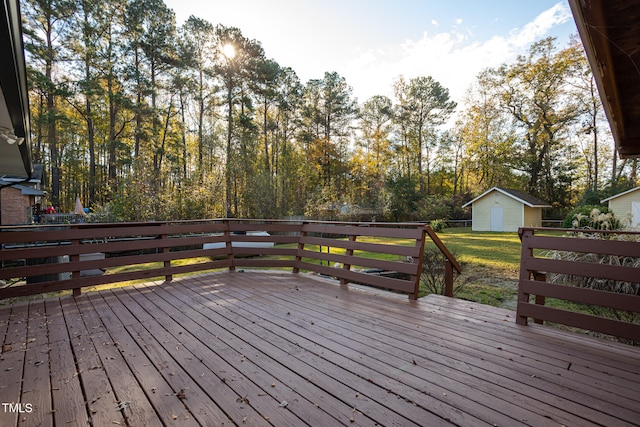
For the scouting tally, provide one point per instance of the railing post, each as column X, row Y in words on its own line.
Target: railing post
column 303, row 233
column 448, row 278
column 420, row 245
column 540, row 299
column 525, row 255
column 349, row 252
column 75, row 258
column 167, row 263
column 227, row 235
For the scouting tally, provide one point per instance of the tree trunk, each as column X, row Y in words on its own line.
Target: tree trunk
column 184, row 139
column 138, row 129
column 52, row 119
column 227, row 172
column 113, row 167
column 201, row 123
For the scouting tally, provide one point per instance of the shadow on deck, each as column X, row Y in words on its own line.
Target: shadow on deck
column 270, row 348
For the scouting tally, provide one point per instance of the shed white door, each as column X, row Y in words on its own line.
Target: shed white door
column 635, row 214
column 497, row 217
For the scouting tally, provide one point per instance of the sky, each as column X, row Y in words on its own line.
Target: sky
column 373, row 42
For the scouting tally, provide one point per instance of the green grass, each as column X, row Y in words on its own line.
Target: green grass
column 490, row 264
column 499, row 296
column 499, row 251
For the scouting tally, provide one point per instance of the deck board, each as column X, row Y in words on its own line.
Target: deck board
column 501, row 409
column 99, row 396
column 239, row 338
column 423, row 371
column 342, row 348
column 268, row 348
column 336, row 382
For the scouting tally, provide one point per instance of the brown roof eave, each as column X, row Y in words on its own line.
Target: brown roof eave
column 596, row 20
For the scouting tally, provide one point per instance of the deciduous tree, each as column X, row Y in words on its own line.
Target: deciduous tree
column 424, row 105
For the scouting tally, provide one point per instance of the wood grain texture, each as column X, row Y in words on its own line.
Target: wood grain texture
column 273, row 348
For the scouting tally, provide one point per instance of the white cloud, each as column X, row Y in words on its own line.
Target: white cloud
column 558, row 14
column 453, row 58
column 459, row 21
column 434, row 23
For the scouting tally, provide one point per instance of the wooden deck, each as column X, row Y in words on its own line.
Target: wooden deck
column 245, row 348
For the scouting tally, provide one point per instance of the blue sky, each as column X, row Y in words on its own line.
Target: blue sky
column 372, row 42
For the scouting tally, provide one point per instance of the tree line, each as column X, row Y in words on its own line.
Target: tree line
column 149, row 120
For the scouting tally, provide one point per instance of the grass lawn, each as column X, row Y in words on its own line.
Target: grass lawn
column 490, row 264
column 499, row 251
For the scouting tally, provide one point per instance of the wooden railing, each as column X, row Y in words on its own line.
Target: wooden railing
column 54, row 258
column 537, row 271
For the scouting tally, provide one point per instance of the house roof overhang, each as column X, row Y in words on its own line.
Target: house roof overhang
column 610, row 33
column 15, row 155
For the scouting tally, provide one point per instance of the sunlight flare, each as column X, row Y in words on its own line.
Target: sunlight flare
column 229, row 51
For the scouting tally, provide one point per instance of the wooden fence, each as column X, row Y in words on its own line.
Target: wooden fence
column 54, row 258
column 536, row 268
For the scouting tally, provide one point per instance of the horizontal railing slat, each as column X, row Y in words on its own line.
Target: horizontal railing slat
column 61, row 285
column 584, row 245
column 370, row 231
column 353, row 276
column 579, row 320
column 400, row 267
column 412, row 251
column 273, row 239
column 67, row 267
column 81, row 234
column 110, row 247
column 584, row 269
column 582, row 295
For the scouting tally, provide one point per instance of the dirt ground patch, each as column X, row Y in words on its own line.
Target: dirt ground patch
column 488, row 286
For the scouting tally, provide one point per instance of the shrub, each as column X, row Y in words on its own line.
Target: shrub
column 593, row 217
column 433, row 271
column 438, row 225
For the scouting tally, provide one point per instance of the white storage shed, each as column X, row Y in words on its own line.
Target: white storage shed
column 626, row 206
column 505, row 209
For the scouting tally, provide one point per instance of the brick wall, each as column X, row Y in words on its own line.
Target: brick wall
column 14, row 206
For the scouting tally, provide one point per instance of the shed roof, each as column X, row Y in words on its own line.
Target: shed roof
column 524, row 198
column 620, row 194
